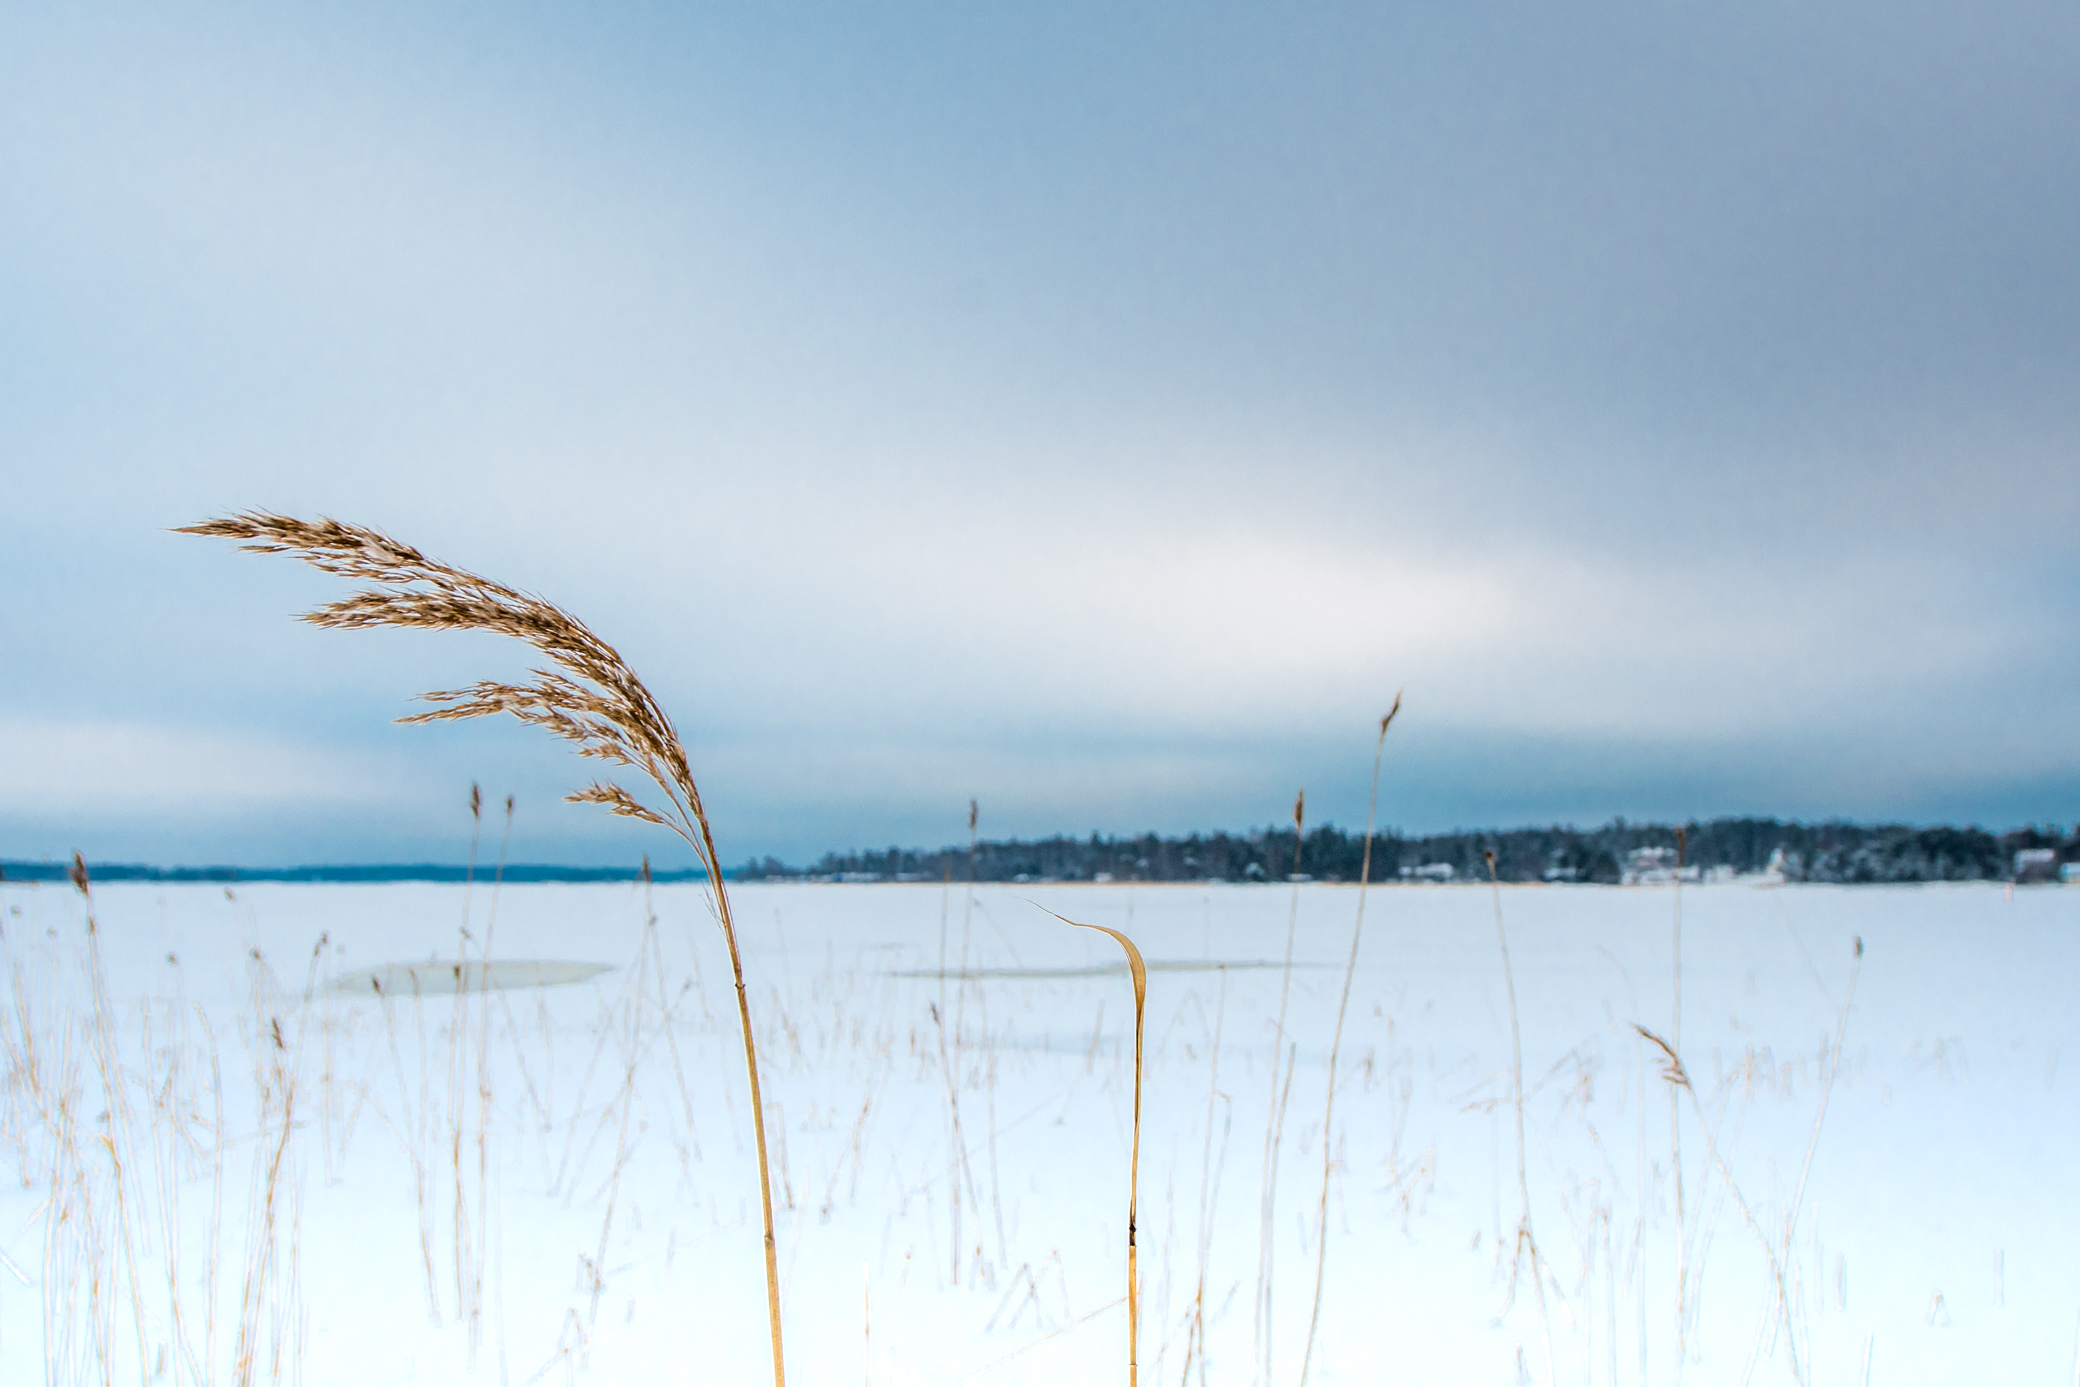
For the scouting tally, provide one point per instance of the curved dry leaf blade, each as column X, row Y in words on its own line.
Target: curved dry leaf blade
column 1135, row 965
column 1139, row 969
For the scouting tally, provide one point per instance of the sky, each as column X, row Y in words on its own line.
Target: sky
column 1095, row 411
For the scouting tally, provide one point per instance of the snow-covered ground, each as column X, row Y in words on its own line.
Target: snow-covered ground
column 551, row 1183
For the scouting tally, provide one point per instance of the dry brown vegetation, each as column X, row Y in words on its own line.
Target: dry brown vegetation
column 591, row 699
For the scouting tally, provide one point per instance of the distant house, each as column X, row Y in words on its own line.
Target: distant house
column 2070, row 873
column 1654, row 867
column 1430, row 871
column 2036, row 864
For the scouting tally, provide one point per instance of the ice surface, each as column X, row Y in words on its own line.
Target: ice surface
column 406, row 980
column 514, row 1184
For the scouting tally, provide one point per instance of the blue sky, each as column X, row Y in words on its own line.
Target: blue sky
column 1099, row 412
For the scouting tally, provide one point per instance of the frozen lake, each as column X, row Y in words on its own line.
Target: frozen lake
column 547, row 1176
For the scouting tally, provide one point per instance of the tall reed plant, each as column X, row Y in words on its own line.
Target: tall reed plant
column 587, row 695
column 1343, row 1006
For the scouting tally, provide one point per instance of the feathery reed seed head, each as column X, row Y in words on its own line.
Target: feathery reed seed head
column 590, row 698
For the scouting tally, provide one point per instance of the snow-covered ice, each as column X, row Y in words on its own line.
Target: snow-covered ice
column 612, row 1234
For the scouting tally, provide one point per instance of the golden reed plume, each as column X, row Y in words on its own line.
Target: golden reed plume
column 590, row 698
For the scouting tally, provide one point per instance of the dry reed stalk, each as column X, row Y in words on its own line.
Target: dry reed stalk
column 989, row 1043
column 116, row 1093
column 1526, row 1241
column 1675, row 1125
column 1350, row 971
column 1639, row 1231
column 625, row 1099
column 953, row 1100
column 1678, row 1079
column 591, row 698
column 960, row 1015
column 458, row 1058
column 1778, row 1252
column 476, row 1316
column 1140, row 974
column 1274, row 1118
column 1209, row 1190
column 216, row 1195
column 280, row 1082
column 950, row 1062
column 409, row 1129
column 690, row 1149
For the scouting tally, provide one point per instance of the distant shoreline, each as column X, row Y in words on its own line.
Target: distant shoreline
column 1616, row 853
column 377, row 875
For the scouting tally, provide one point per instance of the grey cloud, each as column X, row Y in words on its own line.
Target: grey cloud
column 1073, row 402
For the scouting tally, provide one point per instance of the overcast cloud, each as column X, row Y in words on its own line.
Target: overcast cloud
column 1097, row 412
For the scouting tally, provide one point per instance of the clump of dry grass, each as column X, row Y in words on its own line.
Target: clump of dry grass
column 1778, row 1250
column 588, row 697
column 131, row 1284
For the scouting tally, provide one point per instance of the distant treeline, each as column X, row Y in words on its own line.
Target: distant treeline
column 1825, row 852
column 130, row 871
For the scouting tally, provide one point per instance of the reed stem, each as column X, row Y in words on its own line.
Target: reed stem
column 1139, row 970
column 1343, row 1004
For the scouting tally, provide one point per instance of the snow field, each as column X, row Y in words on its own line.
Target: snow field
column 555, row 1183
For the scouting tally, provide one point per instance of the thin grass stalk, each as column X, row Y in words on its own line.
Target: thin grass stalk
column 116, row 1093
column 758, row 1111
column 261, row 1236
column 1678, row 1079
column 476, row 1315
column 1350, row 971
column 1273, row 1118
column 960, row 1064
column 458, row 1059
column 625, row 1099
column 1675, row 1124
column 219, row 1138
column 989, row 1041
column 1841, row 1032
column 1140, row 973
column 949, row 1069
column 1527, row 1242
column 939, row 1010
column 1779, row 1257
column 1209, row 1191
column 590, row 698
column 690, row 1150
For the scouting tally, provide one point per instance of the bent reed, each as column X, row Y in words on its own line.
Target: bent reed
column 591, row 698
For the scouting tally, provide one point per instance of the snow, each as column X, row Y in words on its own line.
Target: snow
column 613, row 1235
